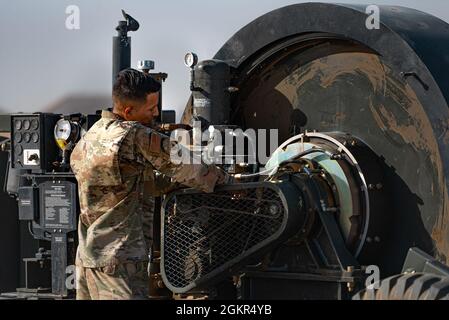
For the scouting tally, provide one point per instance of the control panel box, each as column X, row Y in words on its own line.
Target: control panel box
column 33, row 146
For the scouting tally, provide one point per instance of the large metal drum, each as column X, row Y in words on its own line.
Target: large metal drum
column 317, row 67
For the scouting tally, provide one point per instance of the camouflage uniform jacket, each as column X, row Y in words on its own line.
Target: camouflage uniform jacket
column 112, row 163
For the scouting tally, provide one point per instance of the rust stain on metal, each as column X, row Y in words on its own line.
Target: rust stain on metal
column 440, row 232
column 413, row 132
column 409, row 121
column 445, row 136
column 405, row 117
column 328, row 69
column 415, row 128
column 412, row 124
column 367, row 64
column 340, row 116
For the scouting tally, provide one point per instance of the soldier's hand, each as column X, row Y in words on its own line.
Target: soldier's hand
column 225, row 178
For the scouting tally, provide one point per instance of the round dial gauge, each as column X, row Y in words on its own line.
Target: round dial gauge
column 63, row 130
column 26, row 124
column 34, row 124
column 35, row 137
column 18, row 124
column 190, row 59
column 26, row 137
column 18, row 150
column 17, row 137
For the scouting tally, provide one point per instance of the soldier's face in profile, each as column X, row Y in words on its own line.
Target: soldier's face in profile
column 147, row 112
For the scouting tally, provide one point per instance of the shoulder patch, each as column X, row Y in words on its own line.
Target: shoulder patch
column 155, row 143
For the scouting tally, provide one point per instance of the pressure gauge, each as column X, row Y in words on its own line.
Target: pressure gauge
column 65, row 132
column 27, row 137
column 26, row 124
column 34, row 124
column 190, row 59
column 18, row 124
column 18, row 149
column 35, row 137
column 18, row 137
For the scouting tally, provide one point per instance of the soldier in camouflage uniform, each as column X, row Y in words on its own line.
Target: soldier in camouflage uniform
column 115, row 164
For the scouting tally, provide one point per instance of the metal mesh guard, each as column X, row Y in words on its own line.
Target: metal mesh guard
column 205, row 234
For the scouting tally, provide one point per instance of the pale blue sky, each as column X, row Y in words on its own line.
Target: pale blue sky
column 41, row 61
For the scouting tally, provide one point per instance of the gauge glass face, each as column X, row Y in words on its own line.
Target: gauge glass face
column 63, row 129
column 26, row 124
column 190, row 59
column 18, row 137
column 18, row 124
column 18, row 149
column 34, row 124
column 26, row 137
column 35, row 137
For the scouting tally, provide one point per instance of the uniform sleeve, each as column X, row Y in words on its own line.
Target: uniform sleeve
column 148, row 219
column 156, row 147
column 159, row 184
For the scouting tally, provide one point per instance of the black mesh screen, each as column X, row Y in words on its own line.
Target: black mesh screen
column 204, row 234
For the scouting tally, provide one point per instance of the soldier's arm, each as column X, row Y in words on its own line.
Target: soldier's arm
column 148, row 219
column 155, row 147
column 157, row 184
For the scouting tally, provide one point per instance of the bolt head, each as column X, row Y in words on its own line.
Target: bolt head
column 145, row 65
column 274, row 210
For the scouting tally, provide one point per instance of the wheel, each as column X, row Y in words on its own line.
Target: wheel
column 411, row 286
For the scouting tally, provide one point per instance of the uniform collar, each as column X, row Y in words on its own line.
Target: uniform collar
column 106, row 114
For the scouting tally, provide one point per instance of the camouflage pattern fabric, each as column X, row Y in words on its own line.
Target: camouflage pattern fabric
column 127, row 281
column 115, row 164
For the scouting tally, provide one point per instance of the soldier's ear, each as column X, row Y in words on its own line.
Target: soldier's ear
column 127, row 111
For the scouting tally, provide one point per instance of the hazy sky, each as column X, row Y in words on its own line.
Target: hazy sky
column 41, row 61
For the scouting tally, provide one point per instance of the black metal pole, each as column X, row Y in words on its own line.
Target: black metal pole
column 121, row 51
column 121, row 45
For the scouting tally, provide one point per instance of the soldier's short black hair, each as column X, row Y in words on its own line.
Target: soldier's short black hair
column 133, row 85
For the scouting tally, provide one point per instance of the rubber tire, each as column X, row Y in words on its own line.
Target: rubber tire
column 410, row 286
